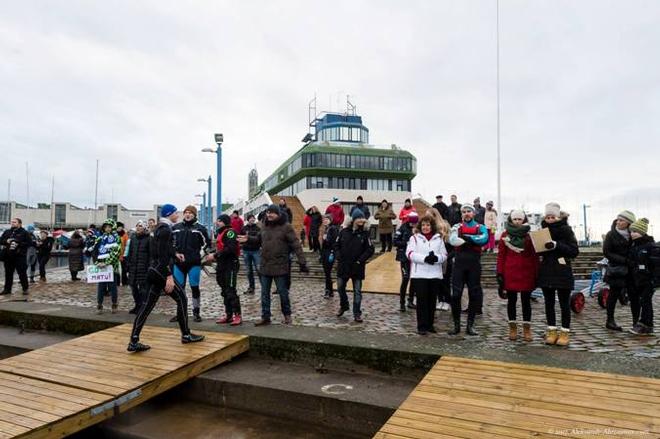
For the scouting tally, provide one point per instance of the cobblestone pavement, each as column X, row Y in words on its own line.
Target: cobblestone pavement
column 380, row 312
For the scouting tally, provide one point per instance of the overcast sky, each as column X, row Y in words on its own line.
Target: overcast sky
column 143, row 86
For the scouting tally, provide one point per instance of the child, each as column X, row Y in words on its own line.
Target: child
column 645, row 258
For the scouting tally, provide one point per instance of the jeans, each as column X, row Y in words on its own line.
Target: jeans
column 282, row 291
column 405, row 279
column 357, row 294
column 18, row 264
column 252, row 259
column 43, row 260
column 102, row 288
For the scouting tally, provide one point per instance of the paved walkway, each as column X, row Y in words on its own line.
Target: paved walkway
column 380, row 312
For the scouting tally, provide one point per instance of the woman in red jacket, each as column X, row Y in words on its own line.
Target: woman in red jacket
column 517, row 267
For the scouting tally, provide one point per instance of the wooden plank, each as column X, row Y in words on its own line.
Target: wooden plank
column 608, row 377
column 440, row 373
column 51, row 392
column 475, row 399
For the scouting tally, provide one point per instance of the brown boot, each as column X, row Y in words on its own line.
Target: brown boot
column 513, row 331
column 563, row 338
column 527, row 331
column 551, row 335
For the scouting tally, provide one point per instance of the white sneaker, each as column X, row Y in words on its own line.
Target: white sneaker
column 445, row 306
column 438, row 307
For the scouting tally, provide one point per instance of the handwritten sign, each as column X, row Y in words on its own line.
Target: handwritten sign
column 96, row 274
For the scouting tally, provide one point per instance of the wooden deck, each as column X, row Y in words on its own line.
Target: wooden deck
column 464, row 398
column 58, row 390
column 382, row 275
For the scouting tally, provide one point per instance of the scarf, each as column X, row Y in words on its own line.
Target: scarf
column 625, row 233
column 428, row 236
column 516, row 237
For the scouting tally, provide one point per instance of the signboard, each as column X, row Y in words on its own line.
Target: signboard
column 96, row 274
column 540, row 238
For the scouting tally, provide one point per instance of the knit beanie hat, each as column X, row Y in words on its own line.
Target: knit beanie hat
column 357, row 214
column 192, row 209
column 628, row 216
column 640, row 226
column 517, row 214
column 335, row 200
column 225, row 219
column 142, row 223
column 413, row 218
column 274, row 208
column 167, row 210
column 467, row 206
column 553, row 209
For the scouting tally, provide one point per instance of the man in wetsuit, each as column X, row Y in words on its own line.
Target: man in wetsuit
column 160, row 278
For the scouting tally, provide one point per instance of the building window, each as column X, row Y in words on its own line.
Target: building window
column 5, row 213
column 60, row 214
column 113, row 211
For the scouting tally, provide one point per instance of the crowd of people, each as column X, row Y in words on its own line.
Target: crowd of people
column 439, row 254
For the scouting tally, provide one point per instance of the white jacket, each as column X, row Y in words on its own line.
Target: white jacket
column 418, row 248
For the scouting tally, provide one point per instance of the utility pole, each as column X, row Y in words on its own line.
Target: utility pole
column 586, row 232
column 9, row 190
column 27, row 184
column 52, row 204
column 499, row 161
column 96, row 191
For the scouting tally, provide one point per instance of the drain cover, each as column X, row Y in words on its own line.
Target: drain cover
column 336, row 389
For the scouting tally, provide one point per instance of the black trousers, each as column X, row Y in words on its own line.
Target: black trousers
column 466, row 271
column 327, row 271
column 19, row 264
column 385, row 242
column 426, row 292
column 616, row 290
column 525, row 298
column 43, row 260
column 564, row 302
column 314, row 243
column 124, row 272
column 444, row 294
column 641, row 304
column 139, row 292
column 154, row 291
column 226, row 277
column 405, row 280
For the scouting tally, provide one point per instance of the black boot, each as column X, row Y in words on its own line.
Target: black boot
column 191, row 338
column 136, row 346
column 611, row 324
column 469, row 330
column 402, row 306
column 196, row 317
column 457, row 328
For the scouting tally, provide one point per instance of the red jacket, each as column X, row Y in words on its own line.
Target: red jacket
column 337, row 213
column 237, row 224
column 403, row 214
column 520, row 270
column 307, row 222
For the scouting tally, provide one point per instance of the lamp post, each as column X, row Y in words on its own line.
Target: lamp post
column 586, row 233
column 219, row 139
column 202, row 206
column 209, row 213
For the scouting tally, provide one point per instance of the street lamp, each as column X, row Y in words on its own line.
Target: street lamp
column 209, row 208
column 219, row 139
column 202, row 207
column 586, row 233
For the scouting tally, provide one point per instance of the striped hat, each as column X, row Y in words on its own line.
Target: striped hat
column 640, row 226
column 627, row 216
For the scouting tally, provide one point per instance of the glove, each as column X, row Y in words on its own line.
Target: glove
column 467, row 238
column 304, row 268
column 501, row 293
column 331, row 258
column 431, row 258
column 551, row 245
column 500, row 280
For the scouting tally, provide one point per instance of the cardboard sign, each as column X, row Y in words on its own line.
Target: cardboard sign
column 540, row 238
column 96, row 274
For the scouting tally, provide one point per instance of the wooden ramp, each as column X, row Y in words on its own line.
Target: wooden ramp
column 64, row 388
column 463, row 398
column 383, row 275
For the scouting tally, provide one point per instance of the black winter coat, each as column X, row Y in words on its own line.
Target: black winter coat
column 353, row 249
column 555, row 270
column 616, row 249
column 329, row 239
column 22, row 238
column 251, row 230
column 454, row 215
column 138, row 258
column 315, row 226
column 638, row 258
column 363, row 208
column 400, row 241
column 44, row 247
column 190, row 238
column 443, row 209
